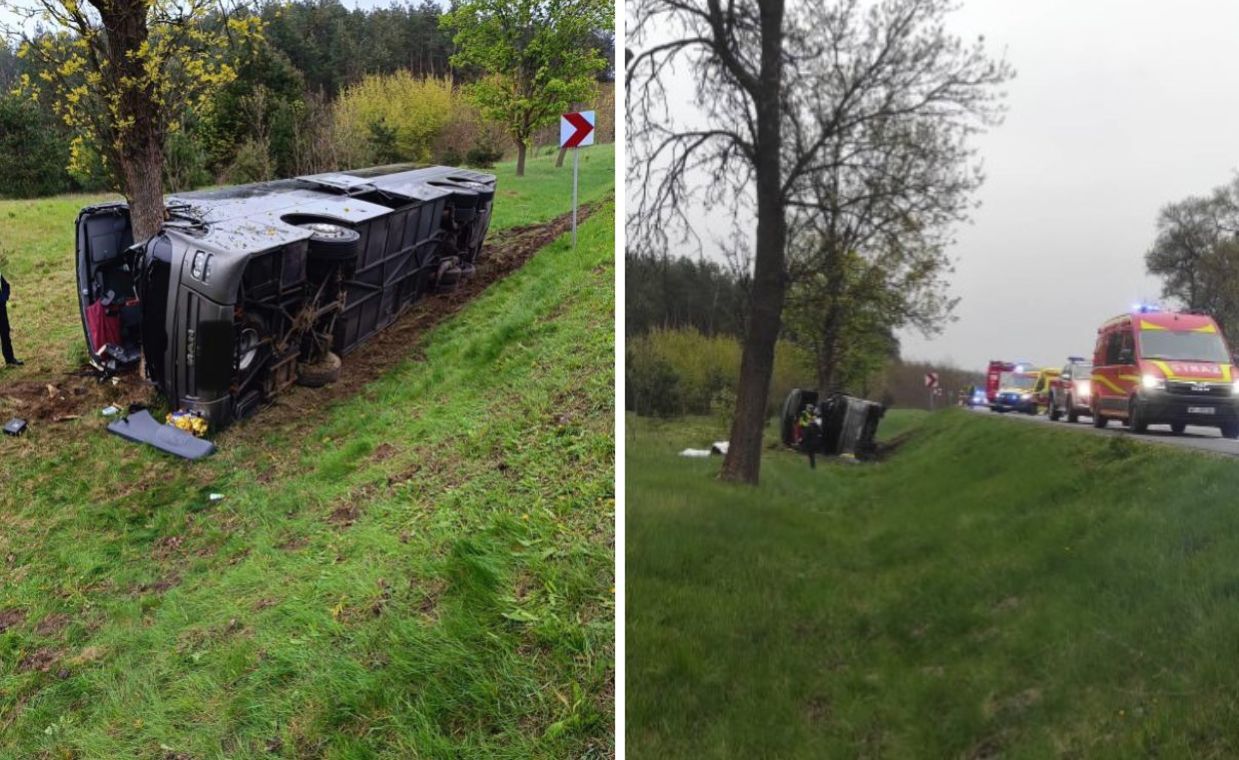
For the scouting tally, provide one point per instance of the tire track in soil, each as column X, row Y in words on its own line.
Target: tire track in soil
column 83, row 393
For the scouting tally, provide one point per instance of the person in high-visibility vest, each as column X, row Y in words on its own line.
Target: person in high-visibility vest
column 810, row 433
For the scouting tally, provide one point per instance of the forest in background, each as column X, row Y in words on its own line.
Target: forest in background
column 325, row 88
column 684, row 321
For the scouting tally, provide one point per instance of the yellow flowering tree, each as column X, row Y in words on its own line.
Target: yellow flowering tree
column 120, row 73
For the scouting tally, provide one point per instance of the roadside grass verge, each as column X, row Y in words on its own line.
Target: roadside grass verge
column 992, row 589
column 424, row 569
column 37, row 237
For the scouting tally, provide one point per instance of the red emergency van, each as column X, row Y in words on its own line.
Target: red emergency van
column 1153, row 368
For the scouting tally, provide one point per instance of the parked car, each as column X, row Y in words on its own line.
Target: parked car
column 245, row 290
column 1153, row 368
column 1071, row 392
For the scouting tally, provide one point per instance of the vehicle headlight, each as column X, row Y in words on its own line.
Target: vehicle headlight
column 1234, row 388
column 1085, row 388
column 1153, row 382
column 1025, row 396
column 201, row 267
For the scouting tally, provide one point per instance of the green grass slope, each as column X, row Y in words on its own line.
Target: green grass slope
column 422, row 569
column 992, row 589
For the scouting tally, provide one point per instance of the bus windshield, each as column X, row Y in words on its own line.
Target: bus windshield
column 1183, row 345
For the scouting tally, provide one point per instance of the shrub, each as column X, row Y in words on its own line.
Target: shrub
column 391, row 117
column 706, row 370
column 251, row 164
column 467, row 130
column 652, row 385
column 185, row 162
column 483, row 156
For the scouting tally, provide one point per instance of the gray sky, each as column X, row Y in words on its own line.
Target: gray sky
column 1117, row 108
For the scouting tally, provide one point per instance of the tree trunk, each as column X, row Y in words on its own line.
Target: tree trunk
column 520, row 158
column 138, row 147
column 743, row 460
column 828, row 353
column 143, row 171
column 559, row 160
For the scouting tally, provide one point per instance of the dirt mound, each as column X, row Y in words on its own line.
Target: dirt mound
column 70, row 396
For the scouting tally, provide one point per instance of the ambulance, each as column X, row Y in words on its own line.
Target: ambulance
column 1015, row 390
column 1164, row 368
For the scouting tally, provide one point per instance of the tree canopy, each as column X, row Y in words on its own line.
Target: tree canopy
column 536, row 58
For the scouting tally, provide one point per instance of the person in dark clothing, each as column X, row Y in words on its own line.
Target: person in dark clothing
column 6, row 341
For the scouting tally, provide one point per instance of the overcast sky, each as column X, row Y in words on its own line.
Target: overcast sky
column 1117, row 108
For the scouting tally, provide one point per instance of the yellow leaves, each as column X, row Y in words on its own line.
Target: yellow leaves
column 71, row 66
column 339, row 608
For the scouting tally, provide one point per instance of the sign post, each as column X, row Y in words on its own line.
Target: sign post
column 931, row 382
column 576, row 130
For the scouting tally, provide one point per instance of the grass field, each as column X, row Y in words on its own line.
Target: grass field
column 424, row 569
column 992, row 589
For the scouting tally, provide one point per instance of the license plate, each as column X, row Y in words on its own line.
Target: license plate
column 1201, row 410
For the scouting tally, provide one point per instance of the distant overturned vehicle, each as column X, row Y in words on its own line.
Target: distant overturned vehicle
column 832, row 425
column 246, row 290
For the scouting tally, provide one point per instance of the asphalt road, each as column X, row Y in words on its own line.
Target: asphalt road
column 1205, row 438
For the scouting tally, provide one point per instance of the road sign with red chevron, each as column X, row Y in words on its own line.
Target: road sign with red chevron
column 576, row 130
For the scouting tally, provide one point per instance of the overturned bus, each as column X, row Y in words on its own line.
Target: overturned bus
column 245, row 290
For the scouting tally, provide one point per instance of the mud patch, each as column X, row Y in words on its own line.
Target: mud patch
column 41, row 660
column 52, row 624
column 167, row 547
column 71, row 396
column 886, row 449
column 11, row 618
column 384, row 452
column 159, row 586
column 293, row 543
column 817, row 709
column 344, row 515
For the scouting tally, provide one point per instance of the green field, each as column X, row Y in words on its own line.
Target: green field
column 420, row 568
column 991, row 589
